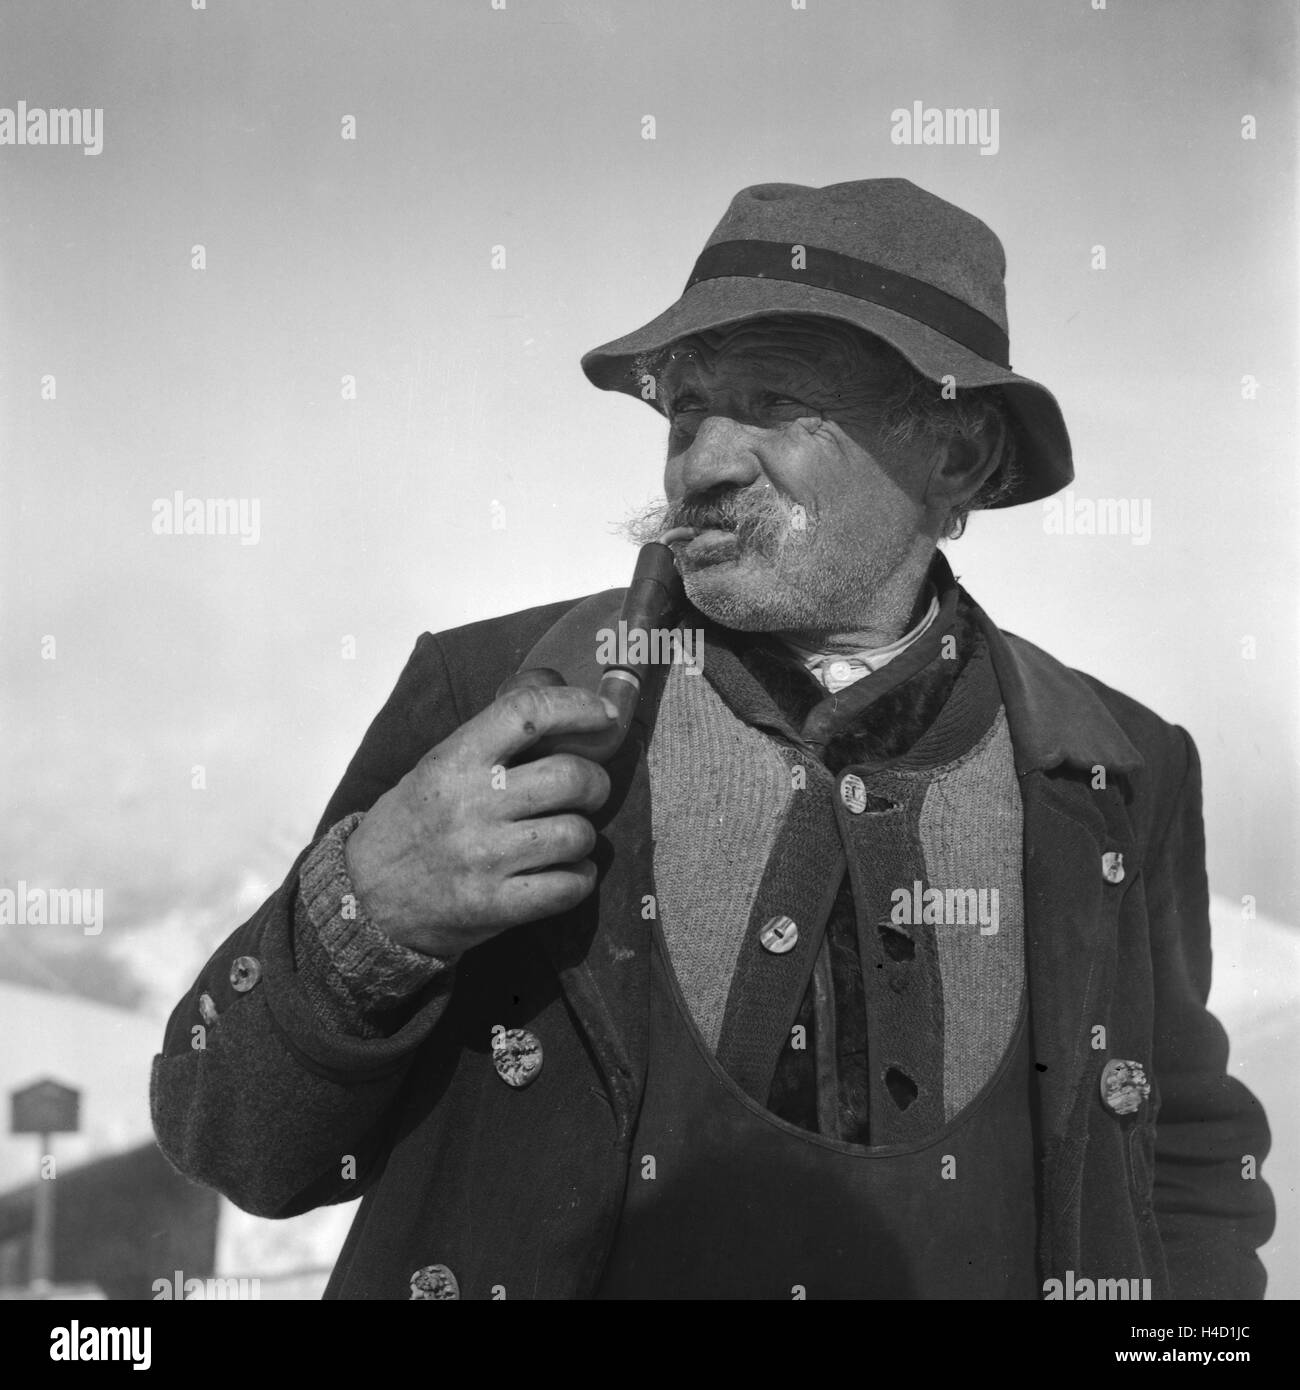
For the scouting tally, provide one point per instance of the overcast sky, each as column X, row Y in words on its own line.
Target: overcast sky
column 371, row 258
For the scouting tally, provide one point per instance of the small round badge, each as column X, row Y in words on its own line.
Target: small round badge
column 1124, row 1085
column 434, row 1282
column 245, row 972
column 516, row 1054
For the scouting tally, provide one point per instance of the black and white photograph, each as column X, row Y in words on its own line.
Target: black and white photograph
column 649, row 653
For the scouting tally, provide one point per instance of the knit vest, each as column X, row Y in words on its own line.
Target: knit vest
column 751, row 829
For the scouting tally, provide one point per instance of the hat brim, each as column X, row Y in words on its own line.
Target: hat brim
column 1042, row 441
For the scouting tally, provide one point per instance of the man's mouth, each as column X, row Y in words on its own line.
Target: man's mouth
column 711, row 545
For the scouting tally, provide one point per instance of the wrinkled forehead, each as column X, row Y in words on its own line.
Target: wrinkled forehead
column 800, row 346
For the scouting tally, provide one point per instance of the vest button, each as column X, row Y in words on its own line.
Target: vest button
column 1112, row 867
column 853, row 793
column 434, row 1282
column 245, row 971
column 1124, row 1086
column 516, row 1054
column 779, row 935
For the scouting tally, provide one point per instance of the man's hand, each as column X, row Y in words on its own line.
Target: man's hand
column 464, row 846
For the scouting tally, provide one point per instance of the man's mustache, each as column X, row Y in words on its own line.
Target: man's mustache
column 756, row 518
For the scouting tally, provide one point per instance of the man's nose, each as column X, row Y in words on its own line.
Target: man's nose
column 721, row 454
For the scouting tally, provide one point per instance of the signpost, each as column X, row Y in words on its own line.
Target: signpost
column 44, row 1108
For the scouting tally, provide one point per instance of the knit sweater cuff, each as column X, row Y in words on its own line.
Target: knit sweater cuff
column 352, row 972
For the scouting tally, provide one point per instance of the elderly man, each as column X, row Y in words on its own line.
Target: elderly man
column 874, row 962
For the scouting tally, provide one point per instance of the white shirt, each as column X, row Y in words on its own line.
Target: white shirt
column 835, row 670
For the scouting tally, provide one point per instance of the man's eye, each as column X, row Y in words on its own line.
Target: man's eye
column 771, row 398
column 686, row 403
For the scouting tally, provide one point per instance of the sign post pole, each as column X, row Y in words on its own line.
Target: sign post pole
column 43, row 1221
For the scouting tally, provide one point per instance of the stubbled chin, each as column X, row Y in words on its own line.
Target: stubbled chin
column 725, row 593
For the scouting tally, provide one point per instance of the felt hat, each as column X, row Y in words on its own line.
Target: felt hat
column 883, row 254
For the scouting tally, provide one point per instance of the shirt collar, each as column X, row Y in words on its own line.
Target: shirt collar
column 836, row 670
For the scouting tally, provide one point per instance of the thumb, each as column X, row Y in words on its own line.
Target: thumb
column 535, row 678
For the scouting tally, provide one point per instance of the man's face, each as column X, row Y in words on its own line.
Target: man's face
column 775, row 453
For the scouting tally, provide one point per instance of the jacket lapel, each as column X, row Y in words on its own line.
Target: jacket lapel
column 1070, row 918
column 1073, row 761
column 606, row 976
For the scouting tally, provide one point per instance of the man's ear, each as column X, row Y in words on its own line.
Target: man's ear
column 962, row 465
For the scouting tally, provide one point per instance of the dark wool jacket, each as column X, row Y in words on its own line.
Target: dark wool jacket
column 518, row 1191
